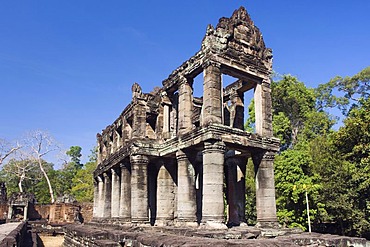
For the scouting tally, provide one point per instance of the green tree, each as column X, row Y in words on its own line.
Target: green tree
column 293, row 176
column 69, row 170
column 344, row 92
column 18, row 172
column 291, row 102
column 74, row 153
column 336, row 194
column 297, row 122
column 83, row 183
column 32, row 181
column 353, row 143
column 250, row 190
column 41, row 144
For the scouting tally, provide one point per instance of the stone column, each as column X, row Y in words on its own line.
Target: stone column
column 100, row 203
column 96, row 199
column 107, row 195
column 125, row 134
column 165, row 196
column 185, row 106
column 139, row 112
column 166, row 118
column 186, row 194
column 263, row 105
column 125, row 197
column 236, row 168
column 237, row 110
column 139, row 189
column 265, row 189
column 115, row 196
column 100, row 148
column 25, row 212
column 10, row 212
column 213, row 182
column 212, row 94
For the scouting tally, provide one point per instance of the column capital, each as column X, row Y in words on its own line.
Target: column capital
column 181, row 155
column 234, row 93
column 212, row 63
column 266, row 82
column 123, row 165
column 218, row 146
column 263, row 156
column 268, row 156
column 99, row 178
column 182, row 80
column 139, row 159
column 113, row 171
column 106, row 176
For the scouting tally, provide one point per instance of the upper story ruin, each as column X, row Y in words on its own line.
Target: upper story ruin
column 167, row 156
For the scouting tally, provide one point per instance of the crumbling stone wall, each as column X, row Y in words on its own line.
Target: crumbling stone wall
column 82, row 235
column 166, row 158
column 63, row 212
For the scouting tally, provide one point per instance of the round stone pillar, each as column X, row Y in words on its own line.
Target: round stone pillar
column 100, row 203
column 115, row 196
column 125, row 196
column 212, row 94
column 263, row 108
column 235, row 183
column 96, row 198
column 185, row 106
column 265, row 189
column 213, row 182
column 107, row 195
column 186, row 194
column 139, row 189
column 165, row 195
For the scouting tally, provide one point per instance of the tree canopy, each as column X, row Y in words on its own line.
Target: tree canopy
column 332, row 166
column 26, row 170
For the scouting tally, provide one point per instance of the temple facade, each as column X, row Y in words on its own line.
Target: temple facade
column 172, row 158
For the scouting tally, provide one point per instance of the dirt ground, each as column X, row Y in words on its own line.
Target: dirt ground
column 52, row 241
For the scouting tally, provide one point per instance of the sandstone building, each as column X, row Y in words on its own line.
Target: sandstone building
column 172, row 158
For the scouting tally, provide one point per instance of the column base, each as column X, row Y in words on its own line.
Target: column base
column 125, row 219
column 164, row 222
column 219, row 218
column 213, row 225
column 100, row 219
column 140, row 221
column 268, row 224
column 233, row 224
column 186, row 223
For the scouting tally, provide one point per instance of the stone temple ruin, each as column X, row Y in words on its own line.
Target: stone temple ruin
column 171, row 158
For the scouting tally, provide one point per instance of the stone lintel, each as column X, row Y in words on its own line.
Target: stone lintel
column 235, row 138
column 190, row 69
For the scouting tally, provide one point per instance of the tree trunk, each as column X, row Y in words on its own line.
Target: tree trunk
column 47, row 180
column 20, row 183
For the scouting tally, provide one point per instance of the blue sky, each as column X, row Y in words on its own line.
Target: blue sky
column 67, row 66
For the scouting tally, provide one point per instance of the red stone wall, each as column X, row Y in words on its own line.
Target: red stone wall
column 64, row 212
column 3, row 211
column 56, row 213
